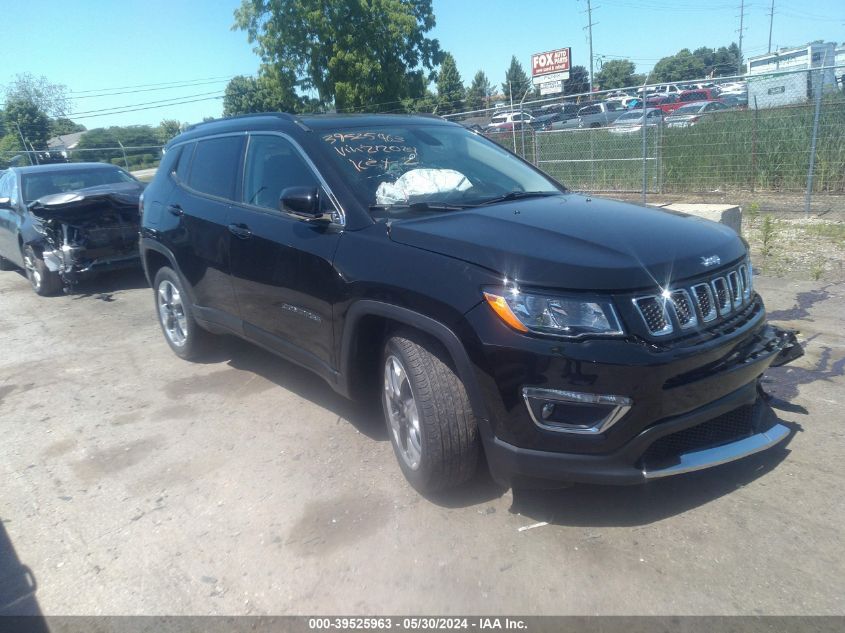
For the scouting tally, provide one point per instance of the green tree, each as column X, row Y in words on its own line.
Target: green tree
column 50, row 98
column 617, row 73
column 139, row 142
column 353, row 53
column 681, row 66
column 266, row 93
column 12, row 148
column 479, row 92
column 23, row 116
column 167, row 129
column 578, row 82
column 450, row 88
column 515, row 80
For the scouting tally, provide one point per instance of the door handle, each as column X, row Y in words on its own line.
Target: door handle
column 240, row 230
column 176, row 210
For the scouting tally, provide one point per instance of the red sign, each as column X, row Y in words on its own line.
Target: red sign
column 550, row 62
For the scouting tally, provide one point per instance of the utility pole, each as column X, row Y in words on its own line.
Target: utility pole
column 589, row 29
column 771, row 20
column 741, row 29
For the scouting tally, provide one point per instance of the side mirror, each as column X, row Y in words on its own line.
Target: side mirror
column 5, row 203
column 301, row 201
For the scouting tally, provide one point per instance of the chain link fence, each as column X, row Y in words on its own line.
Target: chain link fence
column 778, row 133
column 131, row 158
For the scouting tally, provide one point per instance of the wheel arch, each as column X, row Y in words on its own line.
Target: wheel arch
column 368, row 320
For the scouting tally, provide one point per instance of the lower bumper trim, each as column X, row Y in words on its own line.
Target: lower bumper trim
column 707, row 458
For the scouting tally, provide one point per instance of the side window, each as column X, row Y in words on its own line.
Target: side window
column 4, row 185
column 184, row 164
column 214, row 169
column 272, row 165
column 169, row 160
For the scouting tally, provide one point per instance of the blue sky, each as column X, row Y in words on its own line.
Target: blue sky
column 102, row 47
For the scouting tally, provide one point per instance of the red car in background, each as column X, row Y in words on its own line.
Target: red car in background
column 667, row 103
column 699, row 94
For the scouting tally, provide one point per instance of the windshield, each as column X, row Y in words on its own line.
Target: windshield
column 630, row 117
column 38, row 185
column 689, row 109
column 397, row 166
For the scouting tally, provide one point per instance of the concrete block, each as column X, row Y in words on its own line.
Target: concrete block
column 727, row 214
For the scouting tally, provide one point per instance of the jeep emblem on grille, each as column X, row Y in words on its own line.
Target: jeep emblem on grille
column 713, row 260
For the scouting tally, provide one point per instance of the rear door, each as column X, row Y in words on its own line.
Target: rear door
column 199, row 208
column 10, row 219
column 282, row 265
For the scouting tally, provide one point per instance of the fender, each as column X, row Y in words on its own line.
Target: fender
column 150, row 244
column 450, row 340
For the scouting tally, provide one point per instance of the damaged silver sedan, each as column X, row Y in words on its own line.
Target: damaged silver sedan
column 61, row 222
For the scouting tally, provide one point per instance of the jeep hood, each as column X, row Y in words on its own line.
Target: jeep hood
column 575, row 242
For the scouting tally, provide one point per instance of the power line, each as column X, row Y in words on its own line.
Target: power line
column 166, row 83
column 91, row 116
column 133, row 105
column 127, row 92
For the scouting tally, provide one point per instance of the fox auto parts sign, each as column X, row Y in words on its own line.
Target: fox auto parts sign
column 551, row 62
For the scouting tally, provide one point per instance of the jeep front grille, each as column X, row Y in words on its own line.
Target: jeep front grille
column 703, row 302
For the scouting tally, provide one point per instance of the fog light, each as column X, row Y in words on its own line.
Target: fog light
column 573, row 411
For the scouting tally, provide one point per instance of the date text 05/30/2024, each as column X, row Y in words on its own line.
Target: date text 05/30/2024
column 414, row 624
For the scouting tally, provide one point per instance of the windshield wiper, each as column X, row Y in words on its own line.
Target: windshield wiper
column 515, row 195
column 419, row 206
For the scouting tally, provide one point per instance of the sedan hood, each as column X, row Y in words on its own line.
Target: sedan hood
column 575, row 242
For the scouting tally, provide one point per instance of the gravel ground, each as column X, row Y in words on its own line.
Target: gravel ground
column 138, row 483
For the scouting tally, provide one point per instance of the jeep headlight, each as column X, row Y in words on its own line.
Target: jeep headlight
column 553, row 314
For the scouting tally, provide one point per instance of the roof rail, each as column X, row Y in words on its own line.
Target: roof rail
column 282, row 115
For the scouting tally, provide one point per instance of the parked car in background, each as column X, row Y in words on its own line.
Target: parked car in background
column 499, row 318
column 699, row 94
column 691, row 113
column 632, row 121
column 599, row 114
column 665, row 103
column 507, row 121
column 734, row 100
column 61, row 222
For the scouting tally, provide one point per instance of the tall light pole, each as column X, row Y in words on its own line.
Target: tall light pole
column 589, row 28
column 741, row 29
column 771, row 20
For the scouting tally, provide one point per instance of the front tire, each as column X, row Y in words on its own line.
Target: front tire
column 175, row 315
column 44, row 281
column 429, row 418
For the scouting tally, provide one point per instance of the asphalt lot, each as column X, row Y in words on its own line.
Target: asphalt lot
column 138, row 483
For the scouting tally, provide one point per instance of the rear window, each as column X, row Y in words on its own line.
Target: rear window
column 593, row 109
column 699, row 95
column 214, row 169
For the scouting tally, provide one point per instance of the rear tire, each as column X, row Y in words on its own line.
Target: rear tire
column 44, row 282
column 176, row 317
column 429, row 418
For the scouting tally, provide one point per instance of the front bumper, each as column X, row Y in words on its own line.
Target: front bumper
column 687, row 393
column 514, row 466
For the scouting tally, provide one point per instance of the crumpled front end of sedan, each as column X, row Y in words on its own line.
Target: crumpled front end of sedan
column 83, row 231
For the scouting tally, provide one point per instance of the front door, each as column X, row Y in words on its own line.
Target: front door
column 281, row 265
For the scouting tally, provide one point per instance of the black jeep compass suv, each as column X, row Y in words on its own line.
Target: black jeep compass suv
column 567, row 338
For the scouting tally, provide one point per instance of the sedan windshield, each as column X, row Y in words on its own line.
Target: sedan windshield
column 44, row 183
column 693, row 108
column 429, row 167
